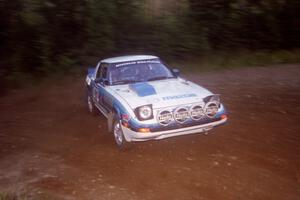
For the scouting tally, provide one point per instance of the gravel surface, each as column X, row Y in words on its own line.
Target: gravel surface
column 51, row 148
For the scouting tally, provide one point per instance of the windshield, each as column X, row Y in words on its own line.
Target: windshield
column 139, row 72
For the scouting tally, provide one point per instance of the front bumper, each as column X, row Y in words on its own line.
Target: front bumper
column 131, row 135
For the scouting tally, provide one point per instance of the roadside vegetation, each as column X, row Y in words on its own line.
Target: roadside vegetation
column 232, row 60
column 6, row 196
column 49, row 38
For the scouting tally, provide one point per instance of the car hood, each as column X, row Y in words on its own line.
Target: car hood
column 162, row 93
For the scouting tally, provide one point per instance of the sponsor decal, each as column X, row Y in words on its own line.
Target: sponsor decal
column 137, row 62
column 179, row 96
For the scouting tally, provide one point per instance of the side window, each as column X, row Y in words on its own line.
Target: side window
column 104, row 72
column 98, row 72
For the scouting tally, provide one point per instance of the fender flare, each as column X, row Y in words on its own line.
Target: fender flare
column 112, row 115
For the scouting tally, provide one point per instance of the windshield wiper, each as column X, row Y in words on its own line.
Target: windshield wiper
column 159, row 78
column 124, row 82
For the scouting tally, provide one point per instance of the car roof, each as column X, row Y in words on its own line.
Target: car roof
column 128, row 58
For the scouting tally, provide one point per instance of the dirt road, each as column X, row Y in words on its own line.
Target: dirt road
column 51, row 148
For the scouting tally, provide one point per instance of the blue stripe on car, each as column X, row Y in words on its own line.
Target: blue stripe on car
column 143, row 89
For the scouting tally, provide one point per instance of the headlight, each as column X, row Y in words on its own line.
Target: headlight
column 144, row 112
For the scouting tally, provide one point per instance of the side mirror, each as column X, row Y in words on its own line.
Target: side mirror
column 105, row 81
column 176, row 72
column 98, row 80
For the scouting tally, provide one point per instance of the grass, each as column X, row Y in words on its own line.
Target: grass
column 6, row 196
column 17, row 80
column 207, row 62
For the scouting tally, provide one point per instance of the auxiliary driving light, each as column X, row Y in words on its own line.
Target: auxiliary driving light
column 223, row 116
column 144, row 130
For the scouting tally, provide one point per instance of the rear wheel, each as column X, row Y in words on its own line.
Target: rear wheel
column 119, row 136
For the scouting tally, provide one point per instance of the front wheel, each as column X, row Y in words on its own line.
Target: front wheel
column 119, row 136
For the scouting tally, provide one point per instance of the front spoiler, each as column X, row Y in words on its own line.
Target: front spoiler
column 131, row 135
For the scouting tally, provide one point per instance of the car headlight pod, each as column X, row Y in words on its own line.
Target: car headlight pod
column 214, row 97
column 144, row 112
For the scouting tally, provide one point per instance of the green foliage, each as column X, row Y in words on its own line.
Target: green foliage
column 44, row 37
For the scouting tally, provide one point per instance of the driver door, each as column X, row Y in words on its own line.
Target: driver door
column 98, row 89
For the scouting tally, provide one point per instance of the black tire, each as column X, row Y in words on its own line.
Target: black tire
column 91, row 106
column 119, row 136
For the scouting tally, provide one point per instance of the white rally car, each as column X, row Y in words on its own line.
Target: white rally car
column 142, row 99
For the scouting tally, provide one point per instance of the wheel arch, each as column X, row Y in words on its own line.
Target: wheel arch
column 113, row 115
